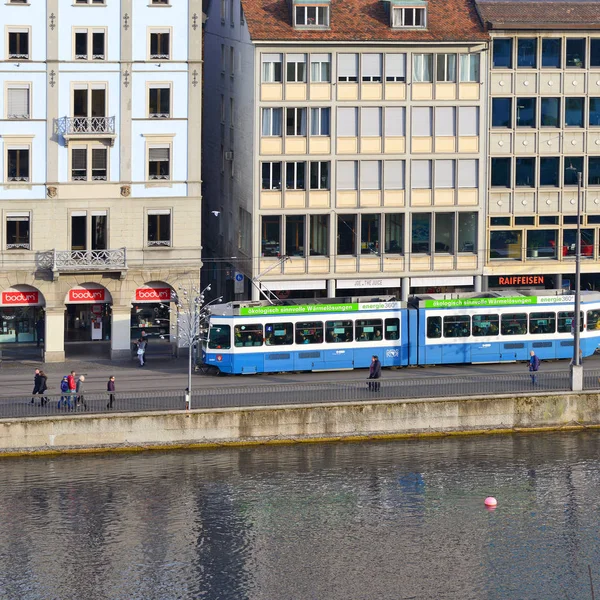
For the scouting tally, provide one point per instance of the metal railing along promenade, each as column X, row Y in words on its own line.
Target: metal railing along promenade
column 247, row 394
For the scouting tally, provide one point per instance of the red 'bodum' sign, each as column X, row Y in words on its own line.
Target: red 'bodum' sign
column 86, row 295
column 153, row 294
column 20, row 297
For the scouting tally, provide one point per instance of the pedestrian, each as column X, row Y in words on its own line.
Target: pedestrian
column 80, row 392
column 43, row 388
column 72, row 389
column 374, row 373
column 110, row 388
column 36, row 385
column 39, row 330
column 64, row 388
column 145, row 339
column 534, row 366
column 141, row 351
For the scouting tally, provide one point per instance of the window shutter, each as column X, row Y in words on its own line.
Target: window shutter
column 271, row 58
column 421, row 121
column 348, row 65
column 370, row 175
column 98, row 158
column 421, row 175
column 394, row 174
column 346, row 175
column 319, row 58
column 394, row 121
column 371, row 65
column 370, row 122
column 295, row 58
column 158, row 154
column 395, row 65
column 347, row 122
column 445, row 121
column 467, row 173
column 18, row 102
column 444, row 173
column 79, row 159
column 468, row 120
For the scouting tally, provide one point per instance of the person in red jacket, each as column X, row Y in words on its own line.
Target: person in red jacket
column 72, row 388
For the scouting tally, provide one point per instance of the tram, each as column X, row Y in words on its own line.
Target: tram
column 343, row 333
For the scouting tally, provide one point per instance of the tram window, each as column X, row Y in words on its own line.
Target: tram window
column 565, row 322
column 434, row 327
column 593, row 320
column 484, row 325
column 279, row 334
column 219, row 337
column 338, row 331
column 542, row 322
column 514, row 324
column 309, row 332
column 248, row 335
column 369, row 330
column 392, row 329
column 457, row 326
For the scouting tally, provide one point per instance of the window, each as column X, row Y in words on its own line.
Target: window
column 89, row 106
column 294, row 235
column 279, row 334
column 394, row 175
column 348, row 68
column 594, row 112
column 369, row 330
column 395, row 67
column 248, row 335
column 320, row 68
column 160, row 45
column 319, row 235
column 467, row 232
column 421, row 233
column 394, row 233
column 444, row 233
column 550, row 112
column 231, row 115
column 271, row 121
column 456, row 326
column 159, row 101
column 548, row 220
column 219, row 337
column 271, row 176
column 525, row 112
column 309, row 332
column 18, row 101
column 312, row 16
column 159, row 228
column 594, row 170
column 370, row 234
column 370, row 122
column 576, row 53
column 468, row 121
column 90, row 44
column 593, row 320
column 295, row 176
column 222, row 59
column 159, row 162
column 347, row 175
column 525, row 172
column 319, row 175
column 319, row 121
column 505, row 244
column 339, row 331
column 295, row 121
column 89, row 163
column 90, row 1
column 408, row 17
column 445, row 174
column 370, row 175
column 421, row 175
column 445, row 121
column 231, row 61
column 18, row 166
column 422, row 68
column 513, row 324
column 486, row 325
column 501, row 112
column 422, row 121
column 445, row 68
column 468, row 173
column 569, row 247
column 502, row 53
column 392, row 329
column 231, row 17
column 595, row 52
column 18, row 44
column 500, row 172
column 295, row 68
column 371, row 67
column 434, row 327
column 524, row 220
column 565, row 322
column 500, row 221
column 347, row 121
column 224, row 9
column 541, row 243
column 160, row 2
column 551, row 53
column 469, row 68
column 549, row 171
column 17, row 231
column 271, row 68
column 542, row 323
column 527, row 53
column 574, row 112
column 346, row 235
column 573, row 165
column 271, row 236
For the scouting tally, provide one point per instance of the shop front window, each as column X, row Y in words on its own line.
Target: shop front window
column 506, row 245
column 153, row 318
column 19, row 324
column 542, row 243
column 570, row 243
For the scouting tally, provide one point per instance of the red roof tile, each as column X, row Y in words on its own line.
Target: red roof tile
column 365, row 20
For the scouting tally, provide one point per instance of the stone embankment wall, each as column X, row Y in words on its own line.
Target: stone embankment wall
column 300, row 423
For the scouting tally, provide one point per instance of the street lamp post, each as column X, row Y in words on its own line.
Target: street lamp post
column 577, row 367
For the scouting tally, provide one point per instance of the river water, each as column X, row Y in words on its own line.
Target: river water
column 397, row 520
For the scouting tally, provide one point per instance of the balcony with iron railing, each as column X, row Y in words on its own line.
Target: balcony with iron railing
column 79, row 128
column 84, row 261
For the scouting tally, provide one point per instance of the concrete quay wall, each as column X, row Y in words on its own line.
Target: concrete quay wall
column 300, row 423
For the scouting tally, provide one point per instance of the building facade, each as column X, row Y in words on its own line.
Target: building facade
column 544, row 129
column 100, row 196
column 346, row 147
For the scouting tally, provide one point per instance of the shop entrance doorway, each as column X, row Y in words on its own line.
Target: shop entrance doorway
column 87, row 322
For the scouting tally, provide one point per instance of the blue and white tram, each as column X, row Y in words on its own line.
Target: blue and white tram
column 256, row 337
column 503, row 326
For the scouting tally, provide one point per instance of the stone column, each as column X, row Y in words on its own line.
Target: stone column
column 331, row 288
column 54, row 336
column 120, row 343
column 405, row 288
column 477, row 283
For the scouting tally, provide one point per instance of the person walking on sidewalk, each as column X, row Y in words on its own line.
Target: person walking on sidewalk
column 141, row 351
column 110, row 388
column 534, row 366
column 80, row 392
column 374, row 373
column 144, row 338
column 65, row 398
column 43, row 388
column 36, row 385
column 72, row 389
